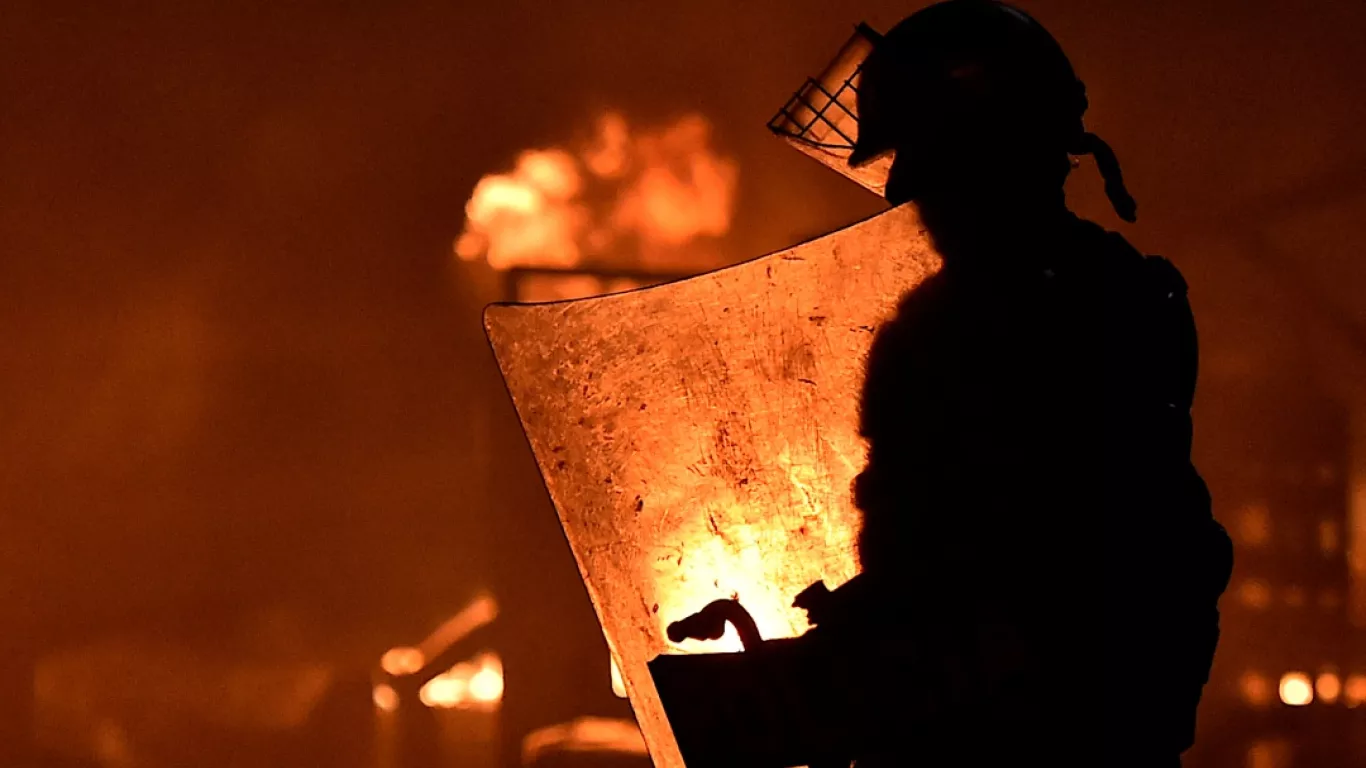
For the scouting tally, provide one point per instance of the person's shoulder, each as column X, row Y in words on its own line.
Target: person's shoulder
column 1100, row 245
column 931, row 297
column 1121, row 258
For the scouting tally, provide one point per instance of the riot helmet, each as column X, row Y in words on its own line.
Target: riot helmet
column 967, row 85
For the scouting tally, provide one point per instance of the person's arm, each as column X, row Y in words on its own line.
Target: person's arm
column 771, row 707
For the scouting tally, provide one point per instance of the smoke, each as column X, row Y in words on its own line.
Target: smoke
column 647, row 199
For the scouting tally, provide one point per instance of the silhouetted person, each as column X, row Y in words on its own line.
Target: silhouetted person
column 1040, row 565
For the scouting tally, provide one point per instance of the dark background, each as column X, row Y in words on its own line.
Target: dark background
column 243, row 376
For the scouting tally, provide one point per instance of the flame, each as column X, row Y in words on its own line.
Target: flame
column 474, row 684
column 586, row 734
column 683, row 191
column 1328, row 686
column 1355, row 690
column 385, row 697
column 609, row 155
column 402, row 661
column 486, row 685
column 479, row 613
column 527, row 217
column 639, row 197
column 1296, row 690
column 557, row 287
column 444, row 692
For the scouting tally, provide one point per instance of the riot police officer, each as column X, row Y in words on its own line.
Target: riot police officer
column 1040, row 564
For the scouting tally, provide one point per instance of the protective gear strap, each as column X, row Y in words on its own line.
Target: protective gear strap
column 1123, row 202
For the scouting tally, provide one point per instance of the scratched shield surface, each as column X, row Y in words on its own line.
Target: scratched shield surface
column 699, row 438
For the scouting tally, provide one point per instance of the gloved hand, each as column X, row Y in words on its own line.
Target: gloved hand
column 710, row 624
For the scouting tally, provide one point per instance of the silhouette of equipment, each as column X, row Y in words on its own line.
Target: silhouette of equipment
column 710, row 624
column 767, row 706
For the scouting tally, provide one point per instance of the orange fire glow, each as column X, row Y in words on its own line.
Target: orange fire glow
column 385, row 697
column 479, row 613
column 649, row 194
column 402, row 661
column 1256, row 689
column 1296, row 690
column 1328, row 686
column 1354, row 690
column 739, row 564
column 474, row 684
column 735, row 567
column 586, row 734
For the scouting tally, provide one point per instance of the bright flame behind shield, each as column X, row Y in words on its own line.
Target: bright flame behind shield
column 699, row 438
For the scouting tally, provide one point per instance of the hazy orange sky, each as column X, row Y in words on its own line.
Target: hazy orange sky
column 240, row 362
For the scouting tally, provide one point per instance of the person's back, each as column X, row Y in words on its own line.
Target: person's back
column 1030, row 434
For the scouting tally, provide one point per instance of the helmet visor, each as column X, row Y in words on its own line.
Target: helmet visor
column 821, row 118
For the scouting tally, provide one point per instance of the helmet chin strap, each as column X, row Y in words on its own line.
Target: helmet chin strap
column 1090, row 144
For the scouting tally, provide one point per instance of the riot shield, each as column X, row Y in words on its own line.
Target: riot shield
column 699, row 438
